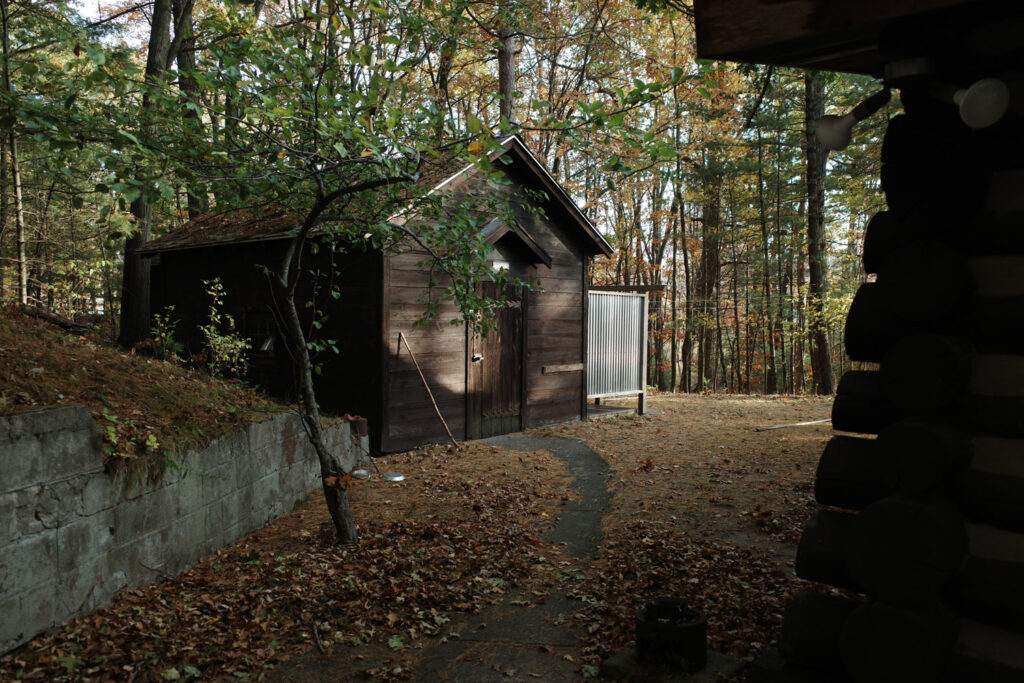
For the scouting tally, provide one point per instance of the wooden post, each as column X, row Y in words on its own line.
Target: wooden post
column 641, row 402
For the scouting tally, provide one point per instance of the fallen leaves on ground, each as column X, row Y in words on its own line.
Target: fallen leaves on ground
column 143, row 407
column 741, row 592
column 448, row 540
column 704, row 508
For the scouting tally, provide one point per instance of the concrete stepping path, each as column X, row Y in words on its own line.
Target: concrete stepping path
column 509, row 642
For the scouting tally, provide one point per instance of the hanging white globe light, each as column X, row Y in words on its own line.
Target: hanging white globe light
column 984, row 103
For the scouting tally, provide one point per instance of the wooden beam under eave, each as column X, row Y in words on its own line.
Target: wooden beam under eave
column 812, row 34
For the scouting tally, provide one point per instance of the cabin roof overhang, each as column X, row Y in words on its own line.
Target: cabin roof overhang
column 829, row 34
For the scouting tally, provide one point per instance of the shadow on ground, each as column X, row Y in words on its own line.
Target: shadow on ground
column 526, row 637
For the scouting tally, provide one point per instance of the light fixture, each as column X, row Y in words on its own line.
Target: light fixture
column 834, row 131
column 984, row 103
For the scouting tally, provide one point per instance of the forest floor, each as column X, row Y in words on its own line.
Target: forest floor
column 146, row 408
column 702, row 506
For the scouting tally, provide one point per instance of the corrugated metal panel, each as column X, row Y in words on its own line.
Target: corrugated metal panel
column 615, row 344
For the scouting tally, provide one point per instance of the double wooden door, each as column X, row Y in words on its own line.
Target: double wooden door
column 495, row 369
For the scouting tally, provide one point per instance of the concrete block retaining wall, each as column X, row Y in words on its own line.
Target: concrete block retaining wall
column 71, row 535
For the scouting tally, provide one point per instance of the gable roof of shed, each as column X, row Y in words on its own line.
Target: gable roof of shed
column 241, row 226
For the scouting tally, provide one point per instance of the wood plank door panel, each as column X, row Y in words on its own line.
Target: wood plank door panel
column 494, row 400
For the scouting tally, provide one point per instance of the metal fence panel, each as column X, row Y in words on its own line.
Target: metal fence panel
column 615, row 344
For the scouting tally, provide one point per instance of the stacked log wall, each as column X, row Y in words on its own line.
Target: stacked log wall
column 917, row 553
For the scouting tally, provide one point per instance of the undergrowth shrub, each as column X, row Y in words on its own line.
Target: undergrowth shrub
column 227, row 350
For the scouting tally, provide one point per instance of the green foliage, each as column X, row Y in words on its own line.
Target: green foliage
column 227, row 351
column 165, row 346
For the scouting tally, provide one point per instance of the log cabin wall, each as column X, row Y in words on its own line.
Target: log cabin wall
column 916, row 555
column 346, row 384
column 923, row 523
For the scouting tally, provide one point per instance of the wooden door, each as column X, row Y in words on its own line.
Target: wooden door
column 495, row 372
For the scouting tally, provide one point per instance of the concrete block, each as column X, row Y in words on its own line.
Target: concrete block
column 266, row 493
column 154, row 549
column 135, row 518
column 83, row 539
column 243, row 470
column 46, row 420
column 132, row 485
column 217, row 482
column 26, row 614
column 28, row 562
column 71, row 452
column 189, row 494
column 37, row 510
column 99, row 492
column 188, row 537
column 85, row 586
column 8, row 526
column 21, row 462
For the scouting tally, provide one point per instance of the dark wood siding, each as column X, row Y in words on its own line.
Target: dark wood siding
column 346, row 383
column 440, row 349
column 554, row 325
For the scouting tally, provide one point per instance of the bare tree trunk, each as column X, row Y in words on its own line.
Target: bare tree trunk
column 506, row 75
column 674, row 355
column 198, row 201
column 708, row 274
column 135, row 288
column 3, row 215
column 688, row 326
column 162, row 52
column 335, row 494
column 821, row 356
column 771, row 385
column 801, row 315
column 19, row 209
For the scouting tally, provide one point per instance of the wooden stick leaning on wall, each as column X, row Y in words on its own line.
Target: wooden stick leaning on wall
column 402, row 338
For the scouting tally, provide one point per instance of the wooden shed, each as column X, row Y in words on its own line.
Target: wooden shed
column 530, row 371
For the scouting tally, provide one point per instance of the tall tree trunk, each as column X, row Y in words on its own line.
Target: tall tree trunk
column 688, row 325
column 3, row 215
column 821, row 355
column 135, row 288
column 800, row 380
column 785, row 370
column 506, row 75
column 771, row 385
column 674, row 355
column 19, row 209
column 198, row 201
column 708, row 273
